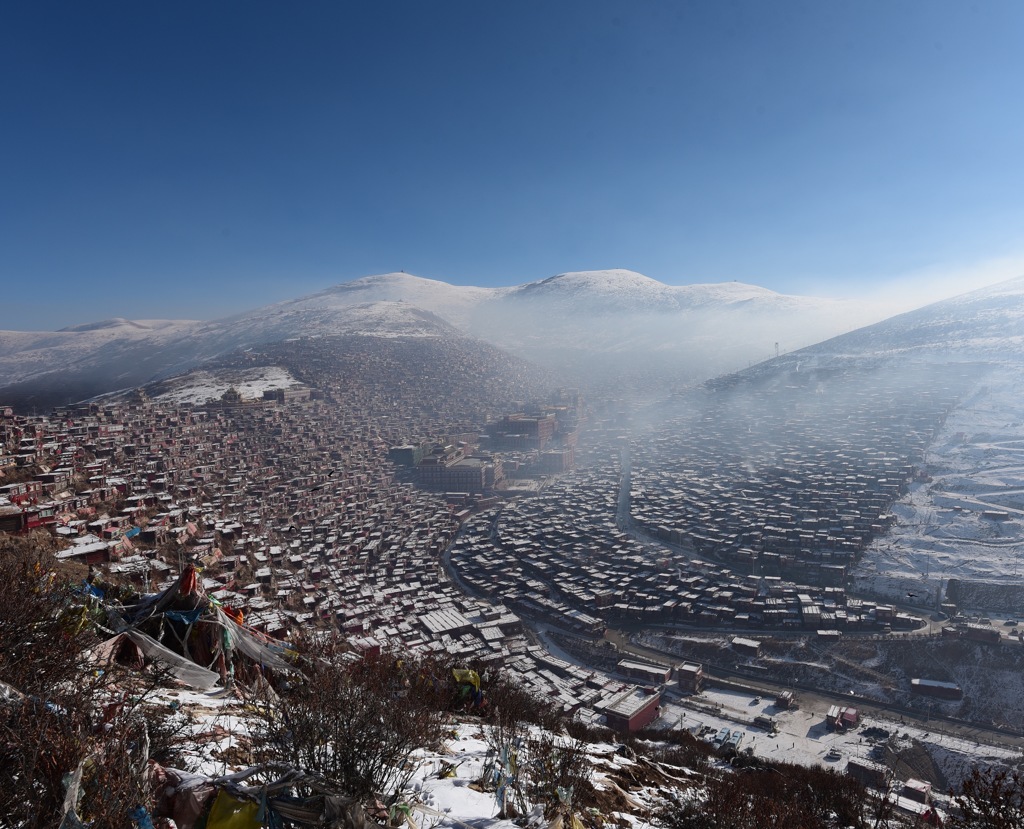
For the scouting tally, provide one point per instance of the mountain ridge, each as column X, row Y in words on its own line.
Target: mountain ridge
column 597, row 324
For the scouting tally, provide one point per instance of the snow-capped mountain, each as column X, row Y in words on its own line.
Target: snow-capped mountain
column 309, row 318
column 24, row 354
column 986, row 324
column 618, row 290
column 452, row 303
column 613, row 325
column 589, row 321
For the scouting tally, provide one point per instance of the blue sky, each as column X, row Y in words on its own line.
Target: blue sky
column 193, row 159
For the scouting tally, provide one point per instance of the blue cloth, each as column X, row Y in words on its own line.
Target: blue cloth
column 141, row 818
column 93, row 591
column 189, row 618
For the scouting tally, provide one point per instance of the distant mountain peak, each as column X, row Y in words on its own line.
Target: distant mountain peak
column 615, row 276
column 616, row 289
column 612, row 279
column 113, row 322
column 399, row 278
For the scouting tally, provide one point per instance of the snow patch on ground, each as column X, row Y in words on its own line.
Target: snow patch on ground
column 976, row 466
column 201, row 386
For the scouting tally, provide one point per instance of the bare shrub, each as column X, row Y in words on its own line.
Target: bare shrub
column 512, row 709
column 770, row 795
column 681, row 748
column 580, row 730
column 355, row 722
column 990, row 799
column 560, row 773
column 534, row 762
column 58, row 714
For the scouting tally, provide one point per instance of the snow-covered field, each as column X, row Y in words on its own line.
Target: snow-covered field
column 942, row 531
column 444, row 791
column 200, row 386
column 804, row 738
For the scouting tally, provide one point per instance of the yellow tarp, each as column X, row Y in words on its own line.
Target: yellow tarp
column 229, row 812
column 472, row 677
